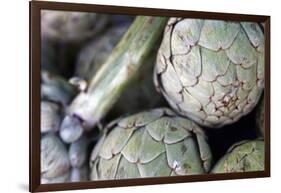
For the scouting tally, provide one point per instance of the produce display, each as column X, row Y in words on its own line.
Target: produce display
column 140, row 96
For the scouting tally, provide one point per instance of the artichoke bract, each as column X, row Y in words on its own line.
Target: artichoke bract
column 50, row 117
column 150, row 144
column 244, row 156
column 66, row 26
column 61, row 179
column 55, row 88
column 211, row 71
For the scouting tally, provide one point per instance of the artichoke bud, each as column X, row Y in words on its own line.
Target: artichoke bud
column 151, row 144
column 244, row 156
column 50, row 117
column 211, row 71
column 71, row 27
column 56, row 88
column 54, row 157
column 60, row 179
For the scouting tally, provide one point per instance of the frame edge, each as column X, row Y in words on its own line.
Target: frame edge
column 34, row 99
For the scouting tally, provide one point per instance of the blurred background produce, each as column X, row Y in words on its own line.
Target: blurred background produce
column 54, row 159
column 63, row 33
column 80, row 59
column 63, row 36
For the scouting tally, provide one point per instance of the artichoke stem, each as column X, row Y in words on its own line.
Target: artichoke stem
column 118, row 70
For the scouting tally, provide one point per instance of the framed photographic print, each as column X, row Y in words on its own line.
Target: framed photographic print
column 123, row 96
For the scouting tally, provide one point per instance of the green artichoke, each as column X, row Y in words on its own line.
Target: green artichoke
column 66, row 26
column 50, row 117
column 244, row 156
column 209, row 70
column 54, row 157
column 60, row 179
column 150, row 144
column 55, row 88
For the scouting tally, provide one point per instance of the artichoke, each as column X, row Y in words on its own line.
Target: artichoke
column 150, row 144
column 60, row 179
column 211, row 71
column 55, row 88
column 50, row 117
column 66, row 26
column 244, row 156
column 54, row 158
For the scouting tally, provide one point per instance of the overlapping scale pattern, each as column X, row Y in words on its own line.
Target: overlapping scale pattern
column 54, row 159
column 211, row 71
column 244, row 156
column 151, row 144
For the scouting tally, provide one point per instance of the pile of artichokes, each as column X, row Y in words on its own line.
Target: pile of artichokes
column 133, row 97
